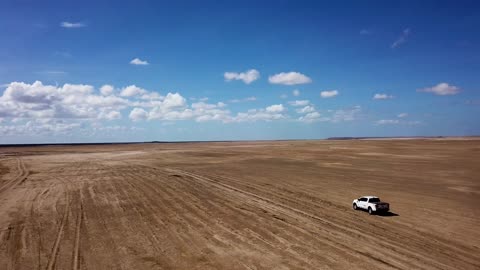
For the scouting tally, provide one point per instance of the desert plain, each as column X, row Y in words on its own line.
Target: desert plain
column 241, row 205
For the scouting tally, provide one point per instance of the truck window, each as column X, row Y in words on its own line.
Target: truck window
column 374, row 200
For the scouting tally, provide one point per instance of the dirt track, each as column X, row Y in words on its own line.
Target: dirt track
column 257, row 205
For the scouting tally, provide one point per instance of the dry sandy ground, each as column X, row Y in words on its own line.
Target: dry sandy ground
column 241, row 205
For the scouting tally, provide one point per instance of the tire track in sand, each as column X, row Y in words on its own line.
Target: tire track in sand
column 22, row 175
column 78, row 227
column 53, row 255
column 289, row 211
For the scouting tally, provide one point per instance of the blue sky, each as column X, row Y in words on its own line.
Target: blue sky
column 94, row 71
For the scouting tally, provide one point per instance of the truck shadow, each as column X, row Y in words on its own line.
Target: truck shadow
column 388, row 214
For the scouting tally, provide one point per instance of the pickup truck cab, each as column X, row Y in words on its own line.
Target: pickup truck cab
column 371, row 203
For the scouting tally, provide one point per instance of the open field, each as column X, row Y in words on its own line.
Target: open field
column 241, row 205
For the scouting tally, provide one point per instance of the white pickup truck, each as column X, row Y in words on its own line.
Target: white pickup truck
column 371, row 203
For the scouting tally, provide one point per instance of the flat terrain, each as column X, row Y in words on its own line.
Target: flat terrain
column 241, row 205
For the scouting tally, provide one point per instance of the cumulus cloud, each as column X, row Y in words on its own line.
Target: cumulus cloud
column 310, row 114
column 174, row 100
column 247, row 77
column 278, row 108
column 55, row 108
column 106, row 90
column 402, row 115
column 297, row 103
column 329, row 94
column 296, row 93
column 312, row 117
column 138, row 114
column 401, row 39
column 382, row 96
column 203, row 112
column 289, row 78
column 306, row 109
column 132, row 90
column 111, row 115
column 72, row 24
column 270, row 113
column 172, row 107
column 139, row 62
column 175, row 107
column 441, row 89
column 37, row 100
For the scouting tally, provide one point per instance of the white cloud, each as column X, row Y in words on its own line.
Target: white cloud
column 37, row 101
column 312, row 117
column 296, row 92
column 132, row 90
column 401, row 39
column 203, row 112
column 278, row 108
column 348, row 114
column 297, row 103
column 152, row 96
column 387, row 122
column 289, row 78
column 382, row 96
column 247, row 77
column 138, row 62
column 175, row 107
column 205, row 106
column 106, row 90
column 72, row 25
column 115, row 129
column 174, row 100
column 306, row 109
column 39, row 127
column 396, row 122
column 402, row 115
column 54, row 108
column 138, row 114
column 112, row 115
column 441, row 89
column 247, row 99
column 329, row 94
column 172, row 107
column 270, row 113
column 283, row 96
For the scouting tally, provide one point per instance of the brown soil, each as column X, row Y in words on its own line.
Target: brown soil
column 241, row 205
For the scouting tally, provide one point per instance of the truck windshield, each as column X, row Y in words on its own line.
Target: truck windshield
column 374, row 200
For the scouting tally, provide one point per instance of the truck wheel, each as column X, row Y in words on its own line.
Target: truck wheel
column 354, row 206
column 370, row 212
